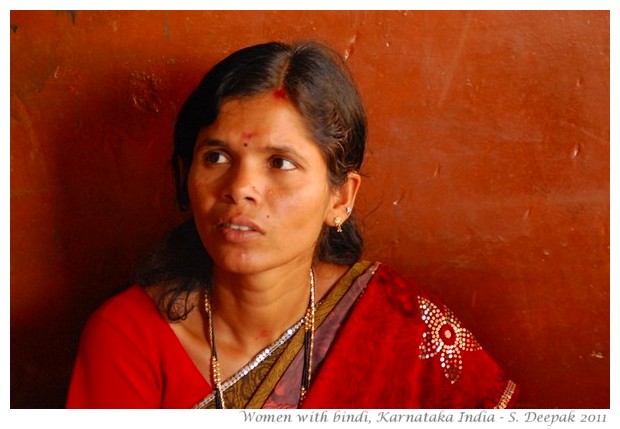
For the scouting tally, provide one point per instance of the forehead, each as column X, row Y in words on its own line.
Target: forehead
column 264, row 114
column 264, row 103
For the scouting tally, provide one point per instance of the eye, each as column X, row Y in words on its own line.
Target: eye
column 282, row 163
column 215, row 157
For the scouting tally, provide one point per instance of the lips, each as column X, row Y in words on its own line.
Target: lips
column 240, row 224
column 237, row 227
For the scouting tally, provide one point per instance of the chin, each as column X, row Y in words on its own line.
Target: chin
column 238, row 264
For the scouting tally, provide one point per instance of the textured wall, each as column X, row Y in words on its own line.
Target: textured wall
column 487, row 176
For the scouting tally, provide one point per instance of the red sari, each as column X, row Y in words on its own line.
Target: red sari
column 379, row 344
column 399, row 349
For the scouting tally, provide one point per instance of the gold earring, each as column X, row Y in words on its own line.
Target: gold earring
column 338, row 223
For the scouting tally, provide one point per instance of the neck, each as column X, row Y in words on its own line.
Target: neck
column 251, row 311
column 308, row 323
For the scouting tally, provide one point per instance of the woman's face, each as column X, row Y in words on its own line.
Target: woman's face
column 258, row 186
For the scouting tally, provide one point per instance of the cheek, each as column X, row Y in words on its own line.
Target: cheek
column 303, row 206
column 192, row 187
column 199, row 190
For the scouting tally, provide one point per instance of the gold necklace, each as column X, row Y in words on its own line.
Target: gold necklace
column 306, row 373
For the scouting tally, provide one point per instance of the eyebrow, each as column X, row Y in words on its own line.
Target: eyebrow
column 279, row 149
column 283, row 150
column 211, row 143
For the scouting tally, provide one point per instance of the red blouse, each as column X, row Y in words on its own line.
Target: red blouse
column 129, row 357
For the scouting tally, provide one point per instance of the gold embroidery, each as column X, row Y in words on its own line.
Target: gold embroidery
column 508, row 392
column 445, row 336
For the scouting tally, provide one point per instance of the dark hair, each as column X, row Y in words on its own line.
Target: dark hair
column 317, row 82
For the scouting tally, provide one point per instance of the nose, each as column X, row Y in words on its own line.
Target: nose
column 242, row 184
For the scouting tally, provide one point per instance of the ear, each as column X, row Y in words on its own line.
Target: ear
column 343, row 199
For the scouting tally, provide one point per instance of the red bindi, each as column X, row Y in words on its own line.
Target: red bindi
column 279, row 93
column 247, row 136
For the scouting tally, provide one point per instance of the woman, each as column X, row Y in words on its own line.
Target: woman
column 262, row 299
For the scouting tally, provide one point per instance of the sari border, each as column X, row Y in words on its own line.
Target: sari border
column 254, row 363
column 287, row 356
column 507, row 395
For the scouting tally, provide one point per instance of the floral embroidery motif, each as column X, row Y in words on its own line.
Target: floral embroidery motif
column 445, row 336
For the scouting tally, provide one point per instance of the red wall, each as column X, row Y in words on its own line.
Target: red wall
column 487, row 176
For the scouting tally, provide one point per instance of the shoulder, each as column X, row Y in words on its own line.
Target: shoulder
column 405, row 294
column 419, row 302
column 124, row 350
column 448, row 349
column 400, row 293
column 441, row 328
column 131, row 313
column 131, row 302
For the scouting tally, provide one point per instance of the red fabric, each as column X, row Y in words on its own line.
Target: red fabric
column 375, row 363
column 130, row 358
